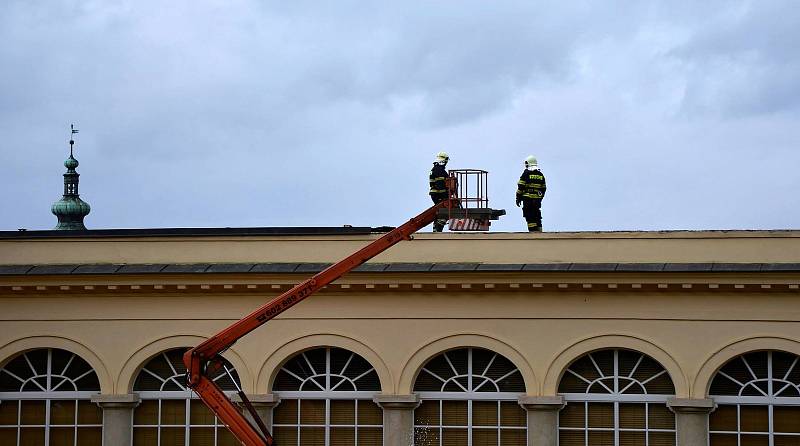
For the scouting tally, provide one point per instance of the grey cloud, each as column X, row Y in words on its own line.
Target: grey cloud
column 744, row 61
column 306, row 113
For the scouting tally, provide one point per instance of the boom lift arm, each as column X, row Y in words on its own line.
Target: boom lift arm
column 203, row 359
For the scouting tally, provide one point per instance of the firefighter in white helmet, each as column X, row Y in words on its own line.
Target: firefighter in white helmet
column 438, row 188
column 530, row 192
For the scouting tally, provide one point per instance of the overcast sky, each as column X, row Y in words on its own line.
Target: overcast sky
column 644, row 115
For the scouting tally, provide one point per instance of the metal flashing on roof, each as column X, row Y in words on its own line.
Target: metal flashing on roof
column 195, row 232
column 687, row 267
column 453, row 267
column 96, row 269
column 186, row 268
column 780, row 267
column 52, row 269
column 14, row 270
column 593, row 267
column 142, row 268
column 310, row 268
column 546, row 267
column 408, row 267
column 640, row 267
column 505, row 267
column 370, row 268
column 229, row 267
column 736, row 267
column 274, row 267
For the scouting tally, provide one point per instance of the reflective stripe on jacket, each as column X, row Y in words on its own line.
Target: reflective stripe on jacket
column 437, row 179
column 531, row 184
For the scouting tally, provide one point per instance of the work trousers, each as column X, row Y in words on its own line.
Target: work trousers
column 438, row 224
column 532, row 211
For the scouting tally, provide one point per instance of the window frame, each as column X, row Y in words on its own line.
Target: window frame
column 616, row 396
column 469, row 396
column 176, row 395
column 328, row 394
column 768, row 400
column 50, row 395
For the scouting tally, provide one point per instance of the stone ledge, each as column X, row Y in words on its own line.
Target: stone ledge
column 397, row 401
column 259, row 399
column 124, row 401
column 542, row 402
column 691, row 405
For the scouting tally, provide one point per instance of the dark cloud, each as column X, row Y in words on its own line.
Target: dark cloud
column 251, row 113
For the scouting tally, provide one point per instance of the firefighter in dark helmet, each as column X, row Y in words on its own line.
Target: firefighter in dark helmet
column 530, row 192
column 438, row 186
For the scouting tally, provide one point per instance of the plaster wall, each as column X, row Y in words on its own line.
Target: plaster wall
column 589, row 247
column 691, row 334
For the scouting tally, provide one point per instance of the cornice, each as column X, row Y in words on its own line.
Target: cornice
column 272, row 278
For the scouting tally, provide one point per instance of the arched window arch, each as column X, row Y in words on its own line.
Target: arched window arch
column 45, row 399
column 758, row 400
column 170, row 413
column 326, row 399
column 616, row 397
column 469, row 397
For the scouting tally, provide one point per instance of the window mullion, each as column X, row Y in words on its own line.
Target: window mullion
column 770, row 392
column 616, row 414
column 49, row 369
column 469, row 402
column 19, row 421
column 355, row 419
column 186, row 421
column 739, row 425
column 47, row 422
column 469, row 422
column 299, row 430
column 498, row 420
column 75, row 424
column 327, row 420
column 441, row 423
column 586, row 423
column 158, row 423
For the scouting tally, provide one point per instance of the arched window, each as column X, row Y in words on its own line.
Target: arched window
column 616, row 397
column 170, row 414
column 469, row 397
column 758, row 398
column 45, row 399
column 326, row 399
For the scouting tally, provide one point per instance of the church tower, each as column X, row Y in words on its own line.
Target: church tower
column 70, row 209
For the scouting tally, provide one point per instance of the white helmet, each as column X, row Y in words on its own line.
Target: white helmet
column 442, row 158
column 530, row 161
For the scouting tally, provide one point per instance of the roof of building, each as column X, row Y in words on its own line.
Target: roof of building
column 311, row 268
column 195, row 232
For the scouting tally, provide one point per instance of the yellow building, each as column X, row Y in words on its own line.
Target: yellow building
column 621, row 338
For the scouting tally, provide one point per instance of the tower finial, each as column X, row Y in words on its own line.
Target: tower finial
column 72, row 131
column 70, row 209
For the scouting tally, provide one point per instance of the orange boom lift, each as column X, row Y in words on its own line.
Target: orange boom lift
column 203, row 360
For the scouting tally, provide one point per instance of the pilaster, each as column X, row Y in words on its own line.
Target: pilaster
column 691, row 420
column 262, row 403
column 117, row 417
column 398, row 418
column 542, row 418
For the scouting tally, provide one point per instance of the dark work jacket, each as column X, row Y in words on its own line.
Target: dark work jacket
column 531, row 185
column 437, row 180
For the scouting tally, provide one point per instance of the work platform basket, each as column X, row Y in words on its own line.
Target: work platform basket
column 470, row 189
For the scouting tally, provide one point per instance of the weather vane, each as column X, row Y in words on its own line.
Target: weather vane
column 72, row 131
